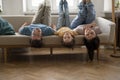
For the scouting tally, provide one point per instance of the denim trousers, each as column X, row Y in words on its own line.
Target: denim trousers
column 86, row 15
column 63, row 19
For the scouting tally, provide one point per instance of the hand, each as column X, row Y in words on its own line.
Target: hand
column 88, row 26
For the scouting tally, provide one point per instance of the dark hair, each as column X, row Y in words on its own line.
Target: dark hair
column 92, row 44
column 69, row 44
column 36, row 43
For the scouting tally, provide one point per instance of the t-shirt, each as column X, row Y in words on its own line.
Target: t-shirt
column 27, row 30
column 62, row 30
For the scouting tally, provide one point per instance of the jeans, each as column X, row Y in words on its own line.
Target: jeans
column 63, row 19
column 85, row 15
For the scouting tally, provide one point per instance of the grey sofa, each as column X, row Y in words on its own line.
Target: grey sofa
column 107, row 37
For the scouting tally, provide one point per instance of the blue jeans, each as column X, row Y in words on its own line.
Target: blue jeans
column 63, row 19
column 85, row 15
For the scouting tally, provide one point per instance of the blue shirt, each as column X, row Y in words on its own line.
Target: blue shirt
column 46, row 30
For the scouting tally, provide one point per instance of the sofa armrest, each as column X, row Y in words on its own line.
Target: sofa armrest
column 107, row 27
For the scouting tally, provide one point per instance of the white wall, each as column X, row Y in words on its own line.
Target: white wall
column 99, row 7
column 15, row 7
column 108, row 8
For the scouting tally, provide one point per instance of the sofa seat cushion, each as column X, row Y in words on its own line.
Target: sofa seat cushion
column 48, row 41
column 16, row 39
column 54, row 40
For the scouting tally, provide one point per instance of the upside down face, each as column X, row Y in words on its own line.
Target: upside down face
column 90, row 34
column 36, row 34
column 67, row 37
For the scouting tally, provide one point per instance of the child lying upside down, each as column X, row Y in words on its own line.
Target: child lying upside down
column 91, row 42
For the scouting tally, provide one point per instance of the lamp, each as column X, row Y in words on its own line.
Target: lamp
column 113, row 19
column 113, row 10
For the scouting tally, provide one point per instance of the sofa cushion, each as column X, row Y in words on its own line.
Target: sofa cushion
column 16, row 39
column 48, row 41
column 55, row 40
column 6, row 28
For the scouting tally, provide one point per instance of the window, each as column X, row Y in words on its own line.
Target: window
column 0, row 5
column 117, row 4
column 36, row 2
column 32, row 5
column 71, row 3
column 108, row 5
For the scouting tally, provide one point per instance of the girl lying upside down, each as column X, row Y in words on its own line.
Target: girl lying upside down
column 91, row 41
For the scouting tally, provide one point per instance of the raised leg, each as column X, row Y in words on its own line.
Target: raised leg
column 51, row 51
column 47, row 13
column 98, row 54
column 5, row 55
column 61, row 15
column 67, row 19
column 38, row 18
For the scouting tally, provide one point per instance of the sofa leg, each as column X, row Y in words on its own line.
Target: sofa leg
column 98, row 54
column 114, row 49
column 51, row 51
column 5, row 54
column 2, row 54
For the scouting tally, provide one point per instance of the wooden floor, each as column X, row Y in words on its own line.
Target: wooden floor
column 70, row 65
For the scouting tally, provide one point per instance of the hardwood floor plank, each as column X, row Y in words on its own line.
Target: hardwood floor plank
column 63, row 66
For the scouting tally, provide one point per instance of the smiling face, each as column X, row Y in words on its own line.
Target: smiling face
column 68, row 40
column 36, row 38
column 67, row 37
column 89, row 34
column 36, row 34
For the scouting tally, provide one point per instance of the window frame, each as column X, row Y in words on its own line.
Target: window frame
column 1, row 7
column 28, row 9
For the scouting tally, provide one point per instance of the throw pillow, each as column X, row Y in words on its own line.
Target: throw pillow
column 6, row 28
